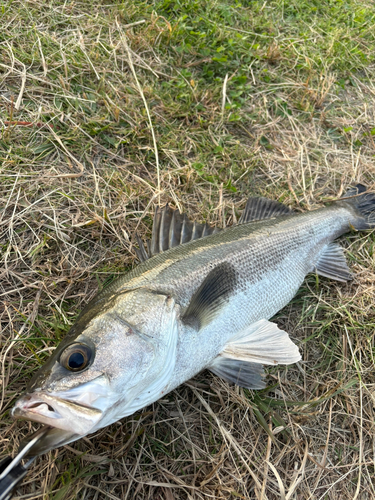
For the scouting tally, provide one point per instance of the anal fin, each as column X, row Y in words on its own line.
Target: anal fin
column 242, row 373
column 262, row 342
column 332, row 264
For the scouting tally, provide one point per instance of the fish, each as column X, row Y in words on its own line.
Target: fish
column 201, row 298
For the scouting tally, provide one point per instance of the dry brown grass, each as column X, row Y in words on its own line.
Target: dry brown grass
column 85, row 175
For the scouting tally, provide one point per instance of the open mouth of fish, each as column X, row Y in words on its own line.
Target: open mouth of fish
column 57, row 412
column 69, row 415
column 68, row 420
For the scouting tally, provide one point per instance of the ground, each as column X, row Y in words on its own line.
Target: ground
column 110, row 108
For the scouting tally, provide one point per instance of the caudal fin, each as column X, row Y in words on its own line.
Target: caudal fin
column 364, row 203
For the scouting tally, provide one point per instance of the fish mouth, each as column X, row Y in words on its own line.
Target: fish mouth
column 57, row 412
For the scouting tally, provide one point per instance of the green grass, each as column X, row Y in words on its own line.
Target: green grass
column 268, row 98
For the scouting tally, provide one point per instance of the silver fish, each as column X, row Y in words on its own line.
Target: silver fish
column 201, row 298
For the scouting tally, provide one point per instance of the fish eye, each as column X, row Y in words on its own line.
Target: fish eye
column 76, row 357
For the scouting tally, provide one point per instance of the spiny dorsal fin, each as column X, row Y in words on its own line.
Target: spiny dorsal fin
column 242, row 373
column 332, row 264
column 262, row 208
column 170, row 229
column 211, row 296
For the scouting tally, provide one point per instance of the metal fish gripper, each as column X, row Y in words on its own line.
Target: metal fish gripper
column 12, row 471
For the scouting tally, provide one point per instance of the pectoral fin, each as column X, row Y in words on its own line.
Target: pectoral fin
column 211, row 296
column 263, row 342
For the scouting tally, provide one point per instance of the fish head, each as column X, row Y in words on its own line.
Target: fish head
column 116, row 359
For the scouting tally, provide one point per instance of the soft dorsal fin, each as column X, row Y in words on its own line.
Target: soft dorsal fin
column 211, row 296
column 262, row 208
column 170, row 229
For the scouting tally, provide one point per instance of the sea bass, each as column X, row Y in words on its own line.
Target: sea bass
column 200, row 298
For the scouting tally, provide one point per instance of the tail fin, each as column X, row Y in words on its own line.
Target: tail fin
column 363, row 202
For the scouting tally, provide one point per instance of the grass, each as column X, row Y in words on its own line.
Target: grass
column 225, row 100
